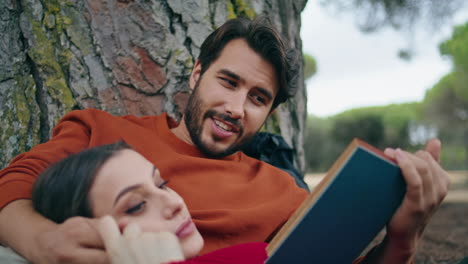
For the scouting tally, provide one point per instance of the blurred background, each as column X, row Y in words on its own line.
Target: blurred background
column 393, row 73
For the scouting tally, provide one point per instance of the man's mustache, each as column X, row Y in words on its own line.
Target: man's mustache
column 227, row 118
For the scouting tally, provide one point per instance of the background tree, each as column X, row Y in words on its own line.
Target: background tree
column 381, row 126
column 446, row 103
column 310, row 66
column 406, row 16
column 372, row 15
column 121, row 56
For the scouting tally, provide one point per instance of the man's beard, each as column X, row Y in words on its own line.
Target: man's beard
column 194, row 119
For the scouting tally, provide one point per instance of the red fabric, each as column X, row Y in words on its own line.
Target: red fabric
column 248, row 253
column 233, row 200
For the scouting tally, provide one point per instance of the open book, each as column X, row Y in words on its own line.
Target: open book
column 346, row 210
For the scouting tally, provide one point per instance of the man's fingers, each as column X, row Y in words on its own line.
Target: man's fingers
column 390, row 153
column 414, row 183
column 440, row 180
column 434, row 146
column 92, row 238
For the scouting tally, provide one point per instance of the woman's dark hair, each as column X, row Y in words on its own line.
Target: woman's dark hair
column 61, row 191
column 263, row 38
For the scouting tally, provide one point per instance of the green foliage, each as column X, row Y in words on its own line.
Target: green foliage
column 445, row 105
column 453, row 156
column 381, row 126
column 310, row 66
column 457, row 47
column 320, row 151
column 368, row 126
column 444, row 108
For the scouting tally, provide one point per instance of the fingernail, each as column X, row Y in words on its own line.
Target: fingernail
column 389, row 151
column 399, row 154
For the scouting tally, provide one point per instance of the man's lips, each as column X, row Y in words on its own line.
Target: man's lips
column 185, row 229
column 218, row 131
column 226, row 125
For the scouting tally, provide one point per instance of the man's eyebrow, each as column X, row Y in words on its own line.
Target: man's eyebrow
column 265, row 92
column 132, row 187
column 230, row 74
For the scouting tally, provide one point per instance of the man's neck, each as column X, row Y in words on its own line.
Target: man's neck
column 182, row 133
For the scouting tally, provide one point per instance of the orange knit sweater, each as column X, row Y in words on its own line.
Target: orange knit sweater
column 232, row 200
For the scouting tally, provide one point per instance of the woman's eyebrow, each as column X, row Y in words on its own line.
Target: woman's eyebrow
column 132, row 187
column 126, row 190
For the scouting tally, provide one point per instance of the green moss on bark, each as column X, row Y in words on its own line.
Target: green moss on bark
column 43, row 55
column 20, row 123
column 240, row 8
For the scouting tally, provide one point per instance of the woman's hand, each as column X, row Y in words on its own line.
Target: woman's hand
column 137, row 247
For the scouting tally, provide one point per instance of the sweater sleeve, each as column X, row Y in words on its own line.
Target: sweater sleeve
column 69, row 136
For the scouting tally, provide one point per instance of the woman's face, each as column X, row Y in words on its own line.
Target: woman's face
column 129, row 188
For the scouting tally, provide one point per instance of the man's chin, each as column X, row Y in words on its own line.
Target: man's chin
column 216, row 151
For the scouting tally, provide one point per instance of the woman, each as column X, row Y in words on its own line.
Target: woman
column 117, row 181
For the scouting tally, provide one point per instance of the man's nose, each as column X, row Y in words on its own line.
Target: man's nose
column 235, row 105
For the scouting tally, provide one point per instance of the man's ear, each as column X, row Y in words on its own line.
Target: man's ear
column 196, row 74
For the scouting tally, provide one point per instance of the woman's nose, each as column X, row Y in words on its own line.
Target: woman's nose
column 173, row 206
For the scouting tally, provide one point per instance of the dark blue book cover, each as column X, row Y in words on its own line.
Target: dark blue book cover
column 344, row 213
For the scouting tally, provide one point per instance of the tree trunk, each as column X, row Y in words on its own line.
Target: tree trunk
column 121, row 56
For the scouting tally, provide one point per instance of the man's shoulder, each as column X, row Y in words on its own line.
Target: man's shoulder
column 97, row 115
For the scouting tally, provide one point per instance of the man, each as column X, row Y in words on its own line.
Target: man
column 241, row 75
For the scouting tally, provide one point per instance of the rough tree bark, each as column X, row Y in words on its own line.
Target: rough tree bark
column 122, row 56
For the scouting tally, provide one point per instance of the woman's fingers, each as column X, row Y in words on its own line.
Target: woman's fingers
column 115, row 245
column 137, row 247
column 163, row 246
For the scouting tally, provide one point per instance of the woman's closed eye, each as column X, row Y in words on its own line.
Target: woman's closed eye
column 163, row 185
column 137, row 208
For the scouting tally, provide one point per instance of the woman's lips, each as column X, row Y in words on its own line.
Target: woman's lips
column 185, row 229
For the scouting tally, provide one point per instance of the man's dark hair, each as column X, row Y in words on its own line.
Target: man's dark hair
column 62, row 190
column 263, row 38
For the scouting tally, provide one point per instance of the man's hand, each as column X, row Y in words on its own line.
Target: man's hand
column 41, row 241
column 136, row 247
column 426, row 186
column 74, row 241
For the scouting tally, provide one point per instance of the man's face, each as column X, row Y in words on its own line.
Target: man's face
column 231, row 100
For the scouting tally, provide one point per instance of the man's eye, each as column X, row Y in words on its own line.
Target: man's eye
column 259, row 99
column 163, row 185
column 136, row 208
column 229, row 82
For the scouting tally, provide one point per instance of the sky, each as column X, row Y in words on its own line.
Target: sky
column 357, row 69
